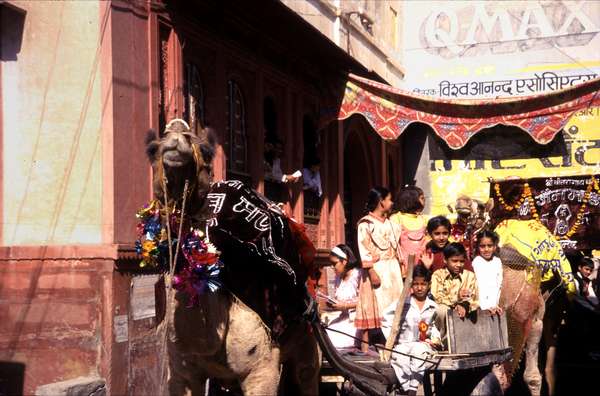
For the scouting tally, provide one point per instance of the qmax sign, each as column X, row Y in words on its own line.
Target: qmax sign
column 496, row 24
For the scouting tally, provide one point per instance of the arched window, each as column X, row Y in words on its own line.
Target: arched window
column 312, row 201
column 235, row 135
column 194, row 97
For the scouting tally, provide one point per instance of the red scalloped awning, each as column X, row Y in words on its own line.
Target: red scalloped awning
column 390, row 111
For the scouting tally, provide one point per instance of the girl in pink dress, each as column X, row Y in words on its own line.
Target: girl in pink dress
column 413, row 224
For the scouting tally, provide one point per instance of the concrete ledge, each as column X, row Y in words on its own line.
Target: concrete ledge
column 80, row 386
column 58, row 252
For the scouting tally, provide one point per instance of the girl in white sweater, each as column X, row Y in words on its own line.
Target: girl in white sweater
column 488, row 271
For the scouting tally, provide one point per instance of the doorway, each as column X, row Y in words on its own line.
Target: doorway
column 357, row 182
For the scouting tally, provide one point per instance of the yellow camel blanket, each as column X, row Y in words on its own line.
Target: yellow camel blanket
column 534, row 241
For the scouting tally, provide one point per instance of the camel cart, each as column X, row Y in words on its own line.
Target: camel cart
column 479, row 342
column 475, row 344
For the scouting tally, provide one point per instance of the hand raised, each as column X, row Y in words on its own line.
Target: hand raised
column 427, row 259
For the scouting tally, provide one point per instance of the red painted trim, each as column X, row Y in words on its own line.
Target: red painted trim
column 154, row 70
column 338, row 209
column 175, row 77
column 1, row 157
column 59, row 252
column 107, row 138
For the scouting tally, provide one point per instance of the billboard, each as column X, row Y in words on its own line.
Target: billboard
column 499, row 49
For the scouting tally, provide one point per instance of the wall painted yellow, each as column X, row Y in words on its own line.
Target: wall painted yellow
column 582, row 134
column 52, row 179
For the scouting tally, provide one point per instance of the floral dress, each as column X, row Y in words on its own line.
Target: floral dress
column 378, row 248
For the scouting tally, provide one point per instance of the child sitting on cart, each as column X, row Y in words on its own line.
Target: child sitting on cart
column 453, row 287
column 439, row 230
column 418, row 335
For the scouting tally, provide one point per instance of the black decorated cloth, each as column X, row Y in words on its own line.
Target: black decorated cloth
column 262, row 264
column 558, row 201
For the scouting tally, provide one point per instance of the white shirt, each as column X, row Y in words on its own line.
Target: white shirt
column 346, row 290
column 591, row 297
column 489, row 281
column 411, row 316
column 312, row 181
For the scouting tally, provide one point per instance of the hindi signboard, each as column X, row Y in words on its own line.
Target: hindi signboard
column 568, row 206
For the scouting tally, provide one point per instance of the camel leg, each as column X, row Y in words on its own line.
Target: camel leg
column 301, row 368
column 549, row 370
column 197, row 385
column 263, row 379
column 184, row 378
column 532, row 375
column 177, row 379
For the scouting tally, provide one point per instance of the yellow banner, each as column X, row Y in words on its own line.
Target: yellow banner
column 449, row 179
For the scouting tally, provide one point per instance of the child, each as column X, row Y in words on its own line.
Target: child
column 488, row 271
column 418, row 335
column 347, row 277
column 438, row 228
column 381, row 281
column 587, row 288
column 453, row 287
column 413, row 233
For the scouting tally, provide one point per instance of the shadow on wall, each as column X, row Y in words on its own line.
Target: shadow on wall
column 413, row 144
column 12, row 377
column 12, row 22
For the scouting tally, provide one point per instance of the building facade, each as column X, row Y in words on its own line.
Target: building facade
column 81, row 83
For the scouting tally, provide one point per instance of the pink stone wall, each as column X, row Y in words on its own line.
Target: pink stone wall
column 51, row 316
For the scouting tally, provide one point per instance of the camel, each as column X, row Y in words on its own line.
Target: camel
column 526, row 246
column 528, row 250
column 226, row 335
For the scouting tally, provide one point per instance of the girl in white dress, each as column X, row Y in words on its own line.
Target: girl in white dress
column 347, row 277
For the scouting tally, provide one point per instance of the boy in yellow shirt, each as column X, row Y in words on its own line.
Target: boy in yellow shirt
column 453, row 287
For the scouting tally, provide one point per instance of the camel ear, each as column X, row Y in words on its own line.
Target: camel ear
column 151, row 145
column 450, row 208
column 208, row 142
column 473, row 206
column 489, row 205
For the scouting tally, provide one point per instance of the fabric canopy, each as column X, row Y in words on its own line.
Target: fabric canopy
column 390, row 111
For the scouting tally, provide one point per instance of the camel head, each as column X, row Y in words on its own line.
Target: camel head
column 473, row 213
column 181, row 154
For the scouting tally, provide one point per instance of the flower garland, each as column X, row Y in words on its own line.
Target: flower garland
column 201, row 269
column 527, row 196
column 152, row 242
column 503, row 204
